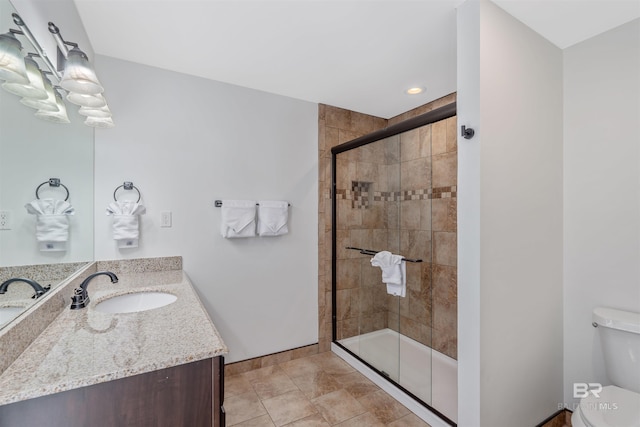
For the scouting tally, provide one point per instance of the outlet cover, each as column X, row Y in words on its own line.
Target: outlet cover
column 5, row 220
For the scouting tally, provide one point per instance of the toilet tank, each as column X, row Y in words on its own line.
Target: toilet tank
column 620, row 338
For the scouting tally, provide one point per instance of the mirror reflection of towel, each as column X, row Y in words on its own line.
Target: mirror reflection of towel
column 126, row 227
column 52, row 223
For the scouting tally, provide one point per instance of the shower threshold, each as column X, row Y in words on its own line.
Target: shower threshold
column 441, row 393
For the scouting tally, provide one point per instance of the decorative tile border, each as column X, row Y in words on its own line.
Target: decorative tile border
column 396, row 196
column 361, row 192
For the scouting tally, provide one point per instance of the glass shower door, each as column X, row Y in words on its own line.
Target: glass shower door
column 415, row 244
column 397, row 192
column 383, row 204
column 367, row 218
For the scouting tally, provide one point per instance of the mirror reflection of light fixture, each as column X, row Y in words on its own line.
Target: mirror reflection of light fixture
column 35, row 88
column 48, row 104
column 59, row 116
column 12, row 68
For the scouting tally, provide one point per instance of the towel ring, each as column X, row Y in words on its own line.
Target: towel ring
column 127, row 186
column 53, row 182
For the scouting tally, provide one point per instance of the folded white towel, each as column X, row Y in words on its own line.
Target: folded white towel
column 394, row 272
column 52, row 223
column 126, row 225
column 238, row 218
column 273, row 216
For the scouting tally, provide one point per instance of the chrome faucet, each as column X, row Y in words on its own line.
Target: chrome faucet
column 80, row 297
column 40, row 290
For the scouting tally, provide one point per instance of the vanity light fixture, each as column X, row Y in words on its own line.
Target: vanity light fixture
column 12, row 68
column 102, row 112
column 79, row 76
column 74, row 74
column 84, row 100
column 98, row 122
column 80, row 80
column 35, row 88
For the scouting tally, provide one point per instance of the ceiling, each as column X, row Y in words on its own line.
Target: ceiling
column 356, row 54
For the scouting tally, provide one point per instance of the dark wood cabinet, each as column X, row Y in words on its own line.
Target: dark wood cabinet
column 185, row 395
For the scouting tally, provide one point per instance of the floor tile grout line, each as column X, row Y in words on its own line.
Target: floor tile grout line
column 321, row 368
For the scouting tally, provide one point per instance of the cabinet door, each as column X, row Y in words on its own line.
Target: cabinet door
column 219, row 417
column 176, row 396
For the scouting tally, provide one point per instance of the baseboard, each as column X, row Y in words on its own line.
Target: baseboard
column 270, row 359
column 559, row 418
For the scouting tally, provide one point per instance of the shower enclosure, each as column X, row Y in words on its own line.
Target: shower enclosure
column 395, row 190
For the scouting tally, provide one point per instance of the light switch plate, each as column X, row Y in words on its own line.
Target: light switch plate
column 165, row 219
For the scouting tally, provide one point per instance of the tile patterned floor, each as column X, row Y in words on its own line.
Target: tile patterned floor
column 315, row 391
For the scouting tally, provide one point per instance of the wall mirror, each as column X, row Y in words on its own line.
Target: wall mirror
column 32, row 151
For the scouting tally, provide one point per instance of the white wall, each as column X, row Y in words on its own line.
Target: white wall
column 186, row 141
column 601, row 192
column 517, row 219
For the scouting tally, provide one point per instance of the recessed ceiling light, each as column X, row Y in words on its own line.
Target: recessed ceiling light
column 414, row 90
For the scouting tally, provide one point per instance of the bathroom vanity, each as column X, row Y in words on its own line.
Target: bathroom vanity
column 162, row 366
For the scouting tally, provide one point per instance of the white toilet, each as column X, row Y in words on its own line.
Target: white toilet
column 616, row 405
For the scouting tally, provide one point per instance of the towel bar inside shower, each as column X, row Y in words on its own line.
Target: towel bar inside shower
column 372, row 252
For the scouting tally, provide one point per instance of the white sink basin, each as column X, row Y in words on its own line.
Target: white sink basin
column 135, row 302
column 9, row 313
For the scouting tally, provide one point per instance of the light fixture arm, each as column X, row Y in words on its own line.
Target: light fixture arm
column 62, row 43
column 24, row 30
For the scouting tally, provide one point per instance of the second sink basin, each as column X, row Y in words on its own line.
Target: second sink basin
column 135, row 302
column 8, row 313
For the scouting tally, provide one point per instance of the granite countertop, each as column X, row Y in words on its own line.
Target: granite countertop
column 85, row 347
column 20, row 294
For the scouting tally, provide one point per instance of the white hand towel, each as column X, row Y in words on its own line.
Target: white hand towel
column 126, row 225
column 273, row 216
column 394, row 272
column 52, row 223
column 238, row 219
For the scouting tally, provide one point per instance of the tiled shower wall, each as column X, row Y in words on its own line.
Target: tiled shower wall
column 366, row 207
column 335, row 126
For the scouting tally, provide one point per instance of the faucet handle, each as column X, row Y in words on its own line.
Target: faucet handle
column 38, row 294
column 80, row 299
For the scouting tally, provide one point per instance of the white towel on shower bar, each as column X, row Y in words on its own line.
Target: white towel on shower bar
column 238, row 219
column 273, row 216
column 394, row 272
